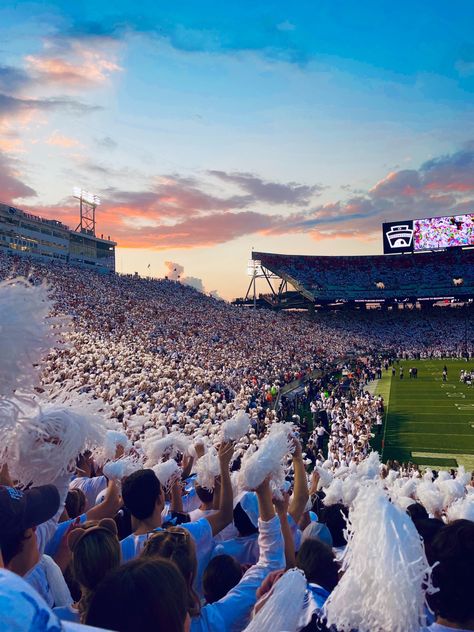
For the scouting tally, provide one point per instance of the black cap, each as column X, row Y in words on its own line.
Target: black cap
column 21, row 510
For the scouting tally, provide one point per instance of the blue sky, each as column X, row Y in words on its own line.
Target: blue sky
column 208, row 128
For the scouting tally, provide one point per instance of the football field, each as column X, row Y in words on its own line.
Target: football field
column 428, row 421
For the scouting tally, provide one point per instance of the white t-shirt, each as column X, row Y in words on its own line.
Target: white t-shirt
column 197, row 514
column 201, row 532
column 91, row 488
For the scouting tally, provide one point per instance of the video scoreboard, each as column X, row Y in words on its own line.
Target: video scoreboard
column 432, row 233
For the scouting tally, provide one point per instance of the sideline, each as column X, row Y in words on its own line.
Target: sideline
column 384, row 387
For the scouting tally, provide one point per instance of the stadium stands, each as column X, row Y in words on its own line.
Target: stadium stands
column 421, row 276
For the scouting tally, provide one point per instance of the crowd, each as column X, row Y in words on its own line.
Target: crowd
column 425, row 274
column 148, row 481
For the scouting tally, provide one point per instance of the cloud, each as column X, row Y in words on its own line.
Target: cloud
column 72, row 63
column 270, row 192
column 11, row 185
column 11, row 106
column 13, row 79
column 60, row 140
column 173, row 270
column 286, row 26
column 215, row 294
column 274, row 42
column 182, row 212
column 106, row 142
column 194, row 282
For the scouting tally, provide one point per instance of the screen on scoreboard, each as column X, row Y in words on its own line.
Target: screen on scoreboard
column 443, row 232
column 432, row 233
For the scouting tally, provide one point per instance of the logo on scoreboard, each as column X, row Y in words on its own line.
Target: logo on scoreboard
column 398, row 237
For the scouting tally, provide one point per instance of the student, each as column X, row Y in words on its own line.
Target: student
column 452, row 553
column 86, row 479
column 20, row 513
column 95, row 552
column 144, row 595
column 233, row 609
column 143, row 496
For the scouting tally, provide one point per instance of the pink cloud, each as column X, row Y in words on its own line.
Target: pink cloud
column 77, row 66
column 60, row 140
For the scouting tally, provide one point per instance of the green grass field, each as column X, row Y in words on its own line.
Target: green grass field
column 427, row 421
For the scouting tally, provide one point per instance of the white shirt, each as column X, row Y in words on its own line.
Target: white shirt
column 90, row 486
column 231, row 613
column 201, row 532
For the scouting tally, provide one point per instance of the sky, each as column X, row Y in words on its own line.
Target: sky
column 211, row 128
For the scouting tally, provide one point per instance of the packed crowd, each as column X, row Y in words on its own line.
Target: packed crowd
column 148, row 483
column 377, row 275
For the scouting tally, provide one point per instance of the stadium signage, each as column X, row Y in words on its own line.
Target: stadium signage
column 431, row 233
column 398, row 237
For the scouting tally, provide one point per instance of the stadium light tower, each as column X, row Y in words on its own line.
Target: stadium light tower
column 88, row 202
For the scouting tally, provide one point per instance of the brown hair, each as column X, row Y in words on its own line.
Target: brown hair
column 95, row 552
column 143, row 595
column 318, row 563
column 177, row 545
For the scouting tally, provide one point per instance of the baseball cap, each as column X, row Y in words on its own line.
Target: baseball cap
column 21, row 510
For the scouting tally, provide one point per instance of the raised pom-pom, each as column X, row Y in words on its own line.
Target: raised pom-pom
column 26, row 333
column 395, row 559
column 207, row 469
column 235, row 428
column 48, row 443
column 167, row 473
column 267, row 461
column 123, row 467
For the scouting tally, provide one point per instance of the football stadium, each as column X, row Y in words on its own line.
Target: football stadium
column 350, row 377
column 188, row 448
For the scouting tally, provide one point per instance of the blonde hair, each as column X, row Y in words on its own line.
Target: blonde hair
column 176, row 544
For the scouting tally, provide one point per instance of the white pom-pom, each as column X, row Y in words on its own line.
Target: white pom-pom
column 9, row 414
column 207, row 469
column 119, row 469
column 395, row 559
column 167, row 473
column 430, row 497
column 451, row 490
column 26, row 333
column 235, row 428
column 369, row 468
column 48, row 443
column 169, row 445
column 461, row 509
column 462, row 476
column 333, row 493
column 113, row 440
column 325, row 477
column 428, row 476
column 267, row 460
column 283, row 608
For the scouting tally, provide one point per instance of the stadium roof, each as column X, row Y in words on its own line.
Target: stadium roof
column 433, row 275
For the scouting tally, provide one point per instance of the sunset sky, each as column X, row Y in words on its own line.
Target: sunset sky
column 208, row 128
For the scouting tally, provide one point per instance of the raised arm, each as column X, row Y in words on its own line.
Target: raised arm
column 300, row 491
column 224, row 515
column 109, row 506
column 281, row 507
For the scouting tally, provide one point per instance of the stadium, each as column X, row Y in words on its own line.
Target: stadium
column 348, row 376
column 237, row 361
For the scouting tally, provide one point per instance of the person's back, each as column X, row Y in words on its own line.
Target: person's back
column 452, row 553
